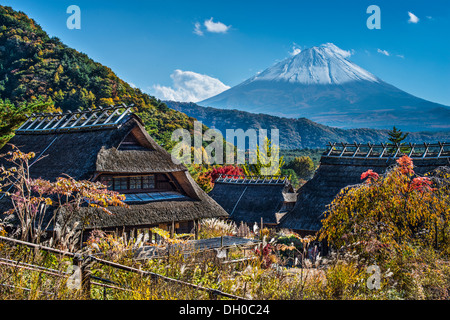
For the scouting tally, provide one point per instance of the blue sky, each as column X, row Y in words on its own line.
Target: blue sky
column 144, row 42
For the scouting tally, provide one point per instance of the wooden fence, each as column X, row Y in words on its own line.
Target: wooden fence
column 82, row 262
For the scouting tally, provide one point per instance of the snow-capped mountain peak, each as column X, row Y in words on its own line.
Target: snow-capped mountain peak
column 323, row 85
column 325, row 64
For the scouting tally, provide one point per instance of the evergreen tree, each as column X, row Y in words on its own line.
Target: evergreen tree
column 396, row 136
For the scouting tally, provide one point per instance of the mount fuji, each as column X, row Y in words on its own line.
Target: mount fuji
column 323, row 85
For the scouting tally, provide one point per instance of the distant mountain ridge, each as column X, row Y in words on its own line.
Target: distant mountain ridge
column 294, row 133
column 321, row 84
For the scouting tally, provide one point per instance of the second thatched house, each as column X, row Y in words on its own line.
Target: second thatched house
column 342, row 166
column 254, row 199
column 111, row 145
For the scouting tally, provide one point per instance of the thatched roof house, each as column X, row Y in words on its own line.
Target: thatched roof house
column 342, row 166
column 248, row 199
column 111, row 145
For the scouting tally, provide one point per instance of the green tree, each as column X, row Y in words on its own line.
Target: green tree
column 303, row 166
column 265, row 162
column 12, row 116
column 292, row 176
column 396, row 136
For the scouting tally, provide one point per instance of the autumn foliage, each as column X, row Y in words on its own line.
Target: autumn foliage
column 205, row 178
column 35, row 202
column 387, row 213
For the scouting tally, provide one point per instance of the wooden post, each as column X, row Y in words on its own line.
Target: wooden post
column 260, row 231
column 196, row 229
column 172, row 229
column 85, row 275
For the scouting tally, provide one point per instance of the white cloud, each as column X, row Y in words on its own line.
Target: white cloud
column 190, row 86
column 198, row 29
column 401, row 56
column 386, row 53
column 210, row 26
column 412, row 18
column 132, row 85
column 295, row 50
column 216, row 27
column 335, row 49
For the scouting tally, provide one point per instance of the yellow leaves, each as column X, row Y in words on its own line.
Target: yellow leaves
column 166, row 235
column 284, row 247
column 19, row 155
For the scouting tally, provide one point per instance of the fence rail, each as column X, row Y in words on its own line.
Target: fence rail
column 82, row 262
column 388, row 150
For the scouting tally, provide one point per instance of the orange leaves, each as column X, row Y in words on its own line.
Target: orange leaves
column 405, row 165
column 93, row 193
column 15, row 155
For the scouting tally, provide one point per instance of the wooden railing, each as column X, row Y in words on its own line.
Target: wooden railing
column 83, row 262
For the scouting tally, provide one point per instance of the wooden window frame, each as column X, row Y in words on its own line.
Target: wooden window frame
column 158, row 180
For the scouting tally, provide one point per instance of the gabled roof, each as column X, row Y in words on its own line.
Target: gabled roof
column 249, row 199
column 86, row 151
column 81, row 152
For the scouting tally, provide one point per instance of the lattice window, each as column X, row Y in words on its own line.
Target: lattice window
column 129, row 183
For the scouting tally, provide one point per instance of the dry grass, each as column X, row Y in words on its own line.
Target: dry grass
column 425, row 275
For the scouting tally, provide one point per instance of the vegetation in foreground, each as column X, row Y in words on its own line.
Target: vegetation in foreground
column 398, row 222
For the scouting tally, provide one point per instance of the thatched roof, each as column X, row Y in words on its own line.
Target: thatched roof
column 250, row 201
column 82, row 153
column 333, row 174
column 87, row 152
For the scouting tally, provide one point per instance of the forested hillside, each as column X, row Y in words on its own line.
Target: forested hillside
column 35, row 66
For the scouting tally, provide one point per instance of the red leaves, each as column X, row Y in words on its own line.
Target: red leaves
column 370, row 175
column 422, row 184
column 206, row 179
column 264, row 251
column 225, row 170
column 406, row 165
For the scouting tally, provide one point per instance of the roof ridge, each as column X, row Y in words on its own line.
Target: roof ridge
column 101, row 117
column 388, row 150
